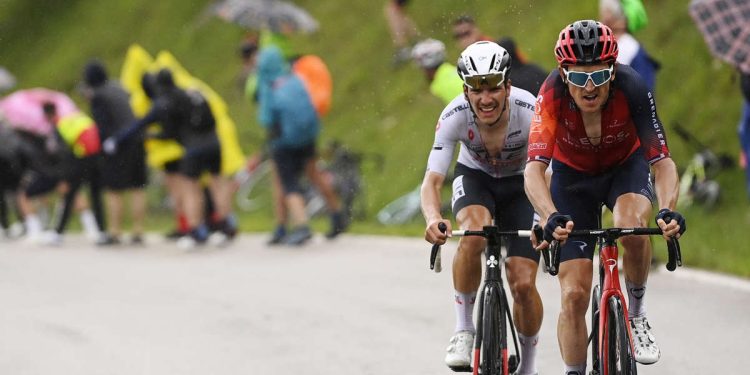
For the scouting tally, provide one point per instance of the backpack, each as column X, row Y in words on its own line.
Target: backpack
column 314, row 73
column 201, row 119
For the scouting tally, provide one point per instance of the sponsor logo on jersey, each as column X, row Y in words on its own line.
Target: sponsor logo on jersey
column 437, row 146
column 454, row 110
column 537, row 146
column 523, row 104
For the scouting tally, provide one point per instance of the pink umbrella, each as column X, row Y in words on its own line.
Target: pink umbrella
column 23, row 109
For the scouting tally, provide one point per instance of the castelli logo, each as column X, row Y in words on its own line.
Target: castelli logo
column 471, row 135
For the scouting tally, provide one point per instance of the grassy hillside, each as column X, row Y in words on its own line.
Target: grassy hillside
column 378, row 109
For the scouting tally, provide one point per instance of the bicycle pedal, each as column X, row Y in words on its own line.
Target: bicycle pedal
column 460, row 368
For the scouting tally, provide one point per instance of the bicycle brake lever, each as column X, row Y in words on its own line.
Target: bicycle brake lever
column 554, row 255
column 675, row 254
column 435, row 261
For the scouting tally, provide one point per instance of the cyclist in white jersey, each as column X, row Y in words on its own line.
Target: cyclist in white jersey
column 491, row 121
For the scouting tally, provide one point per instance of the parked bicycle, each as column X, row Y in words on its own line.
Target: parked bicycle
column 697, row 181
column 491, row 355
column 611, row 340
column 343, row 167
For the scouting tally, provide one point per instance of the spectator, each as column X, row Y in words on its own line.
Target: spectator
column 402, row 29
column 526, row 75
column 429, row 55
column 81, row 137
column 292, row 125
column 625, row 17
column 466, row 32
column 125, row 171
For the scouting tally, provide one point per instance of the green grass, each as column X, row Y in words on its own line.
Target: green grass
column 381, row 110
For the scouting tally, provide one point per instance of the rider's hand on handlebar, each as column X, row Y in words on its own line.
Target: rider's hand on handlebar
column 433, row 235
column 672, row 223
column 558, row 228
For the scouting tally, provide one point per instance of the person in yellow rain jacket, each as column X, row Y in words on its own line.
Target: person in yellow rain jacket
column 79, row 134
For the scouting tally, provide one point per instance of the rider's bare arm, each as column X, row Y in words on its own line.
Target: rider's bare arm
column 430, row 201
column 535, row 184
column 667, row 185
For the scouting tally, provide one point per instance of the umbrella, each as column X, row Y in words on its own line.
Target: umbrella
column 275, row 15
column 23, row 109
column 725, row 25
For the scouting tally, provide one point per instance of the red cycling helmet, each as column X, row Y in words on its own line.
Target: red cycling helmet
column 586, row 42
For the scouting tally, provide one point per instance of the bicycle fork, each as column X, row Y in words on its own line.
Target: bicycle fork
column 610, row 287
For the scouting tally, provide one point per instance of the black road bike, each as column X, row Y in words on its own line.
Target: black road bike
column 494, row 321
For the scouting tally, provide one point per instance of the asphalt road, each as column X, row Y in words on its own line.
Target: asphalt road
column 356, row 305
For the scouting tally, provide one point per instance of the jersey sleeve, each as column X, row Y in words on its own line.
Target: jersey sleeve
column 642, row 105
column 446, row 137
column 543, row 126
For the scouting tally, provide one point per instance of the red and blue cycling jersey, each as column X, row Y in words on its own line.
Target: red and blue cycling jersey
column 628, row 122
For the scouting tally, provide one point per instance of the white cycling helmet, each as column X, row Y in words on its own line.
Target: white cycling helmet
column 483, row 63
column 429, row 53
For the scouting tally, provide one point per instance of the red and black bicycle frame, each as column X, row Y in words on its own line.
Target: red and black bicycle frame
column 610, row 286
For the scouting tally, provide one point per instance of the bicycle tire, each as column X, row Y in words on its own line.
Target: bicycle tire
column 595, row 296
column 620, row 360
column 494, row 341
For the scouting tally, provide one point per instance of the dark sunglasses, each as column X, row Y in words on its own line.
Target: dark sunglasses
column 491, row 80
column 598, row 77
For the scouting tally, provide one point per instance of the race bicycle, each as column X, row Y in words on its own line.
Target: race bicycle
column 612, row 350
column 494, row 320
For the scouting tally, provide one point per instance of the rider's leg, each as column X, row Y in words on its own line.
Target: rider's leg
column 634, row 210
column 575, row 285
column 527, row 308
column 467, row 264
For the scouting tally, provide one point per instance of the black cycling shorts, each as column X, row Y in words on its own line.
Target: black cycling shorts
column 582, row 195
column 35, row 184
column 125, row 170
column 208, row 159
column 290, row 165
column 506, row 200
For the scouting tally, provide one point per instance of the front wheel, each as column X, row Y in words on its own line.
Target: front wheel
column 494, row 343
column 620, row 359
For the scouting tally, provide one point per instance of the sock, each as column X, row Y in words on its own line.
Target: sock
column 88, row 222
column 33, row 225
column 575, row 370
column 636, row 299
column 464, row 304
column 182, row 223
column 528, row 354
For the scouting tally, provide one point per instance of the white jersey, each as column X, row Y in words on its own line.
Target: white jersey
column 457, row 124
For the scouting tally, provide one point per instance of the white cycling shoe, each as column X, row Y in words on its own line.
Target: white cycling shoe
column 459, row 351
column 646, row 350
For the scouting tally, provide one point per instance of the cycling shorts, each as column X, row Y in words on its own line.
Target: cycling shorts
column 290, row 165
column 35, row 184
column 125, row 170
column 582, row 195
column 172, row 166
column 506, row 200
column 206, row 159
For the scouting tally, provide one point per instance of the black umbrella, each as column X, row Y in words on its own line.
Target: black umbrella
column 725, row 25
column 275, row 15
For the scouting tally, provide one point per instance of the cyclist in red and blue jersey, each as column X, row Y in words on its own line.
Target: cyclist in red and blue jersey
column 595, row 122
